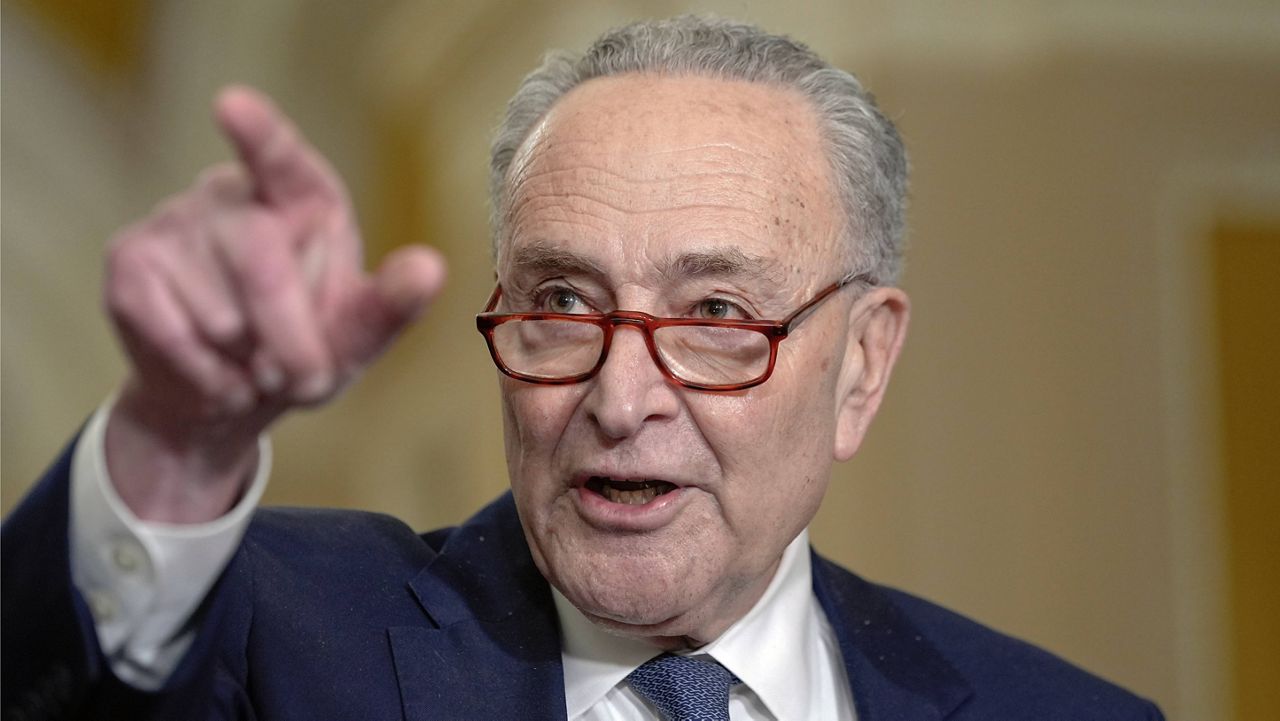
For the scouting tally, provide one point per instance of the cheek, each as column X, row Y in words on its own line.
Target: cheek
column 763, row 441
column 774, row 446
column 535, row 418
column 792, row 412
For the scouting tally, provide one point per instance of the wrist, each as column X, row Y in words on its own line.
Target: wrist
column 172, row 468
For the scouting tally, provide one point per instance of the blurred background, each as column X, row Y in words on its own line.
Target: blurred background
column 1079, row 447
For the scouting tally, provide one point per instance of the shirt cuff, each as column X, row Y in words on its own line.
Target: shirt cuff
column 144, row 580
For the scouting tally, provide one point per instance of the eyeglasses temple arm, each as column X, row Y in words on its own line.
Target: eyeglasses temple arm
column 803, row 311
column 493, row 299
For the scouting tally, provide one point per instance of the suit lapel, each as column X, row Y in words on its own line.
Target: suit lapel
column 491, row 646
column 492, row 649
column 894, row 672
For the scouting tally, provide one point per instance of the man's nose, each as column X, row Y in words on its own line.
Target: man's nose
column 630, row 389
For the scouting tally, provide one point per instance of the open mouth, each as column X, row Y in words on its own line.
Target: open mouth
column 631, row 493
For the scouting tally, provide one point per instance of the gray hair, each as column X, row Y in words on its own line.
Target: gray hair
column 866, row 155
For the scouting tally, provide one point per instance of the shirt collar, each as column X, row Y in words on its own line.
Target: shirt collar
column 768, row 648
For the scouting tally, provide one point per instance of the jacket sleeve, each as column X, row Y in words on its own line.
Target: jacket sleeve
column 53, row 667
column 144, row 580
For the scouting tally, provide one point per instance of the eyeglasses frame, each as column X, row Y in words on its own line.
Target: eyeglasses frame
column 774, row 330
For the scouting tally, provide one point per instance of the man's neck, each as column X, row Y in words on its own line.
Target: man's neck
column 596, row 658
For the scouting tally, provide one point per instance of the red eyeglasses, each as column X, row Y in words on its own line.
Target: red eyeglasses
column 708, row 355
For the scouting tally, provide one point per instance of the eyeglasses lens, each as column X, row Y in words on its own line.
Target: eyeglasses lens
column 708, row 355
column 553, row 349
column 549, row 349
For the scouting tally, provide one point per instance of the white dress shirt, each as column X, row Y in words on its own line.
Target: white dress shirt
column 784, row 651
column 143, row 581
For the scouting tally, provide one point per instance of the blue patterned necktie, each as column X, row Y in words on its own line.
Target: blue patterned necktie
column 683, row 688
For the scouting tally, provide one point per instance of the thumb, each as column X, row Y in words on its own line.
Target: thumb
column 401, row 289
column 409, row 279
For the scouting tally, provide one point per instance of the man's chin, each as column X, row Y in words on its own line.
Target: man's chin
column 670, row 635
column 626, row 608
column 638, row 585
column 667, row 620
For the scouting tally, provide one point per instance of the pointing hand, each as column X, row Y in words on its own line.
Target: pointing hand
column 236, row 300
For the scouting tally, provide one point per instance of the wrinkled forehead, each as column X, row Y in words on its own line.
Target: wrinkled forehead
column 641, row 170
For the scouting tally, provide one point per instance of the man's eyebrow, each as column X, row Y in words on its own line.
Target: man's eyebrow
column 719, row 261
column 545, row 258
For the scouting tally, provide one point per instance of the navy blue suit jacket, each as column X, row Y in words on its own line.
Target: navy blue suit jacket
column 347, row 615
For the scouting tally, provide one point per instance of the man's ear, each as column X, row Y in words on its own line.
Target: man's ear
column 877, row 327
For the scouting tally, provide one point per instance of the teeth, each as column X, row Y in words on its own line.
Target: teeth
column 631, row 493
column 631, row 498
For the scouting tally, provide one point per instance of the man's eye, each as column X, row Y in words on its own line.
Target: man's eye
column 562, row 300
column 719, row 309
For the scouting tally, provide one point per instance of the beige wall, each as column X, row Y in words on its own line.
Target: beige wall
column 1047, row 458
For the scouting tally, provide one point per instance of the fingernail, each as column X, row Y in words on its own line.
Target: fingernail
column 315, row 387
column 269, row 377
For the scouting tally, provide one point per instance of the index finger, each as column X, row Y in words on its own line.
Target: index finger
column 282, row 165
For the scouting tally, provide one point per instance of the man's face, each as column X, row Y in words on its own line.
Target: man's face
column 679, row 197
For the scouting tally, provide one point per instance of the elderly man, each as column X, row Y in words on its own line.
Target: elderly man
column 697, row 227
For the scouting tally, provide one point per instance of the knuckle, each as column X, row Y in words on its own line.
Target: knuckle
column 155, row 343
column 121, row 304
column 128, row 269
column 266, row 275
column 123, row 256
column 311, row 374
column 170, row 212
column 213, row 379
column 198, row 372
column 171, row 341
column 223, row 181
column 248, row 238
column 300, row 352
column 223, row 326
